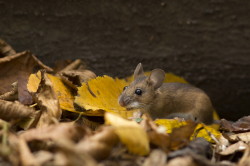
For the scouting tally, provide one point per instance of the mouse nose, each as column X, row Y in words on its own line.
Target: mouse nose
column 122, row 103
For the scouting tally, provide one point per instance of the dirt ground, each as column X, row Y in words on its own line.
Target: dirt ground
column 206, row 41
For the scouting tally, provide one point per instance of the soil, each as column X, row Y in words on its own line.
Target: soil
column 205, row 41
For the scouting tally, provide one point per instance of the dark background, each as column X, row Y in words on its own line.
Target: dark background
column 205, row 41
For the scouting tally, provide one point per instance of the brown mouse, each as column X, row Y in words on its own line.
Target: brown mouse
column 166, row 100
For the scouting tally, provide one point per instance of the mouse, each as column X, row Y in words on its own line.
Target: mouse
column 149, row 94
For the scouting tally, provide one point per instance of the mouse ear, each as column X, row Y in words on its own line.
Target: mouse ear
column 156, row 78
column 138, row 71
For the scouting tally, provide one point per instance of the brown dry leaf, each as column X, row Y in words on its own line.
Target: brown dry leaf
column 76, row 64
column 75, row 78
column 47, row 101
column 42, row 157
column 156, row 158
column 18, row 67
column 239, row 146
column 156, row 136
column 245, row 160
column 245, row 137
column 100, row 144
column 241, row 125
column 130, row 133
column 6, row 49
column 62, row 92
column 193, row 160
column 12, row 95
column 61, row 131
column 26, row 157
column 14, row 110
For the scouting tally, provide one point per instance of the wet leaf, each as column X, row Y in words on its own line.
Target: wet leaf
column 130, row 133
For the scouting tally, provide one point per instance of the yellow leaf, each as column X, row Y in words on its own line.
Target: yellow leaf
column 102, row 93
column 64, row 95
column 169, row 77
column 33, row 82
column 130, row 133
column 201, row 130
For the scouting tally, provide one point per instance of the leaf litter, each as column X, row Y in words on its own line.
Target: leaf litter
column 70, row 116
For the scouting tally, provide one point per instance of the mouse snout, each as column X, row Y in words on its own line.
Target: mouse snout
column 123, row 101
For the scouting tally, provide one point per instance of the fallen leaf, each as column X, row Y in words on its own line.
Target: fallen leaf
column 62, row 92
column 14, row 110
column 6, row 49
column 156, row 158
column 130, row 133
column 181, row 136
column 11, row 95
column 239, row 146
column 24, row 64
column 245, row 137
column 169, row 77
column 155, row 134
column 57, row 132
column 26, row 156
column 47, row 101
column 245, row 160
column 198, row 146
column 99, row 145
column 102, row 93
column 201, row 130
column 242, row 125
column 75, row 78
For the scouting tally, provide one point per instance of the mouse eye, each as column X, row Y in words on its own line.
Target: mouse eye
column 125, row 87
column 138, row 92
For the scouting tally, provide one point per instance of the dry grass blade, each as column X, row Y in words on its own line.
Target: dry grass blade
column 6, row 49
column 14, row 110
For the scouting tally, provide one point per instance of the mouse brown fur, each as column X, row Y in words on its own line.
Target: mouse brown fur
column 166, row 100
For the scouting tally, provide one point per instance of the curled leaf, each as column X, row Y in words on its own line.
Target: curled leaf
column 47, row 101
column 14, row 110
column 130, row 133
column 62, row 92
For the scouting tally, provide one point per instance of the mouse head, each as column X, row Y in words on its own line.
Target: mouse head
column 141, row 92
